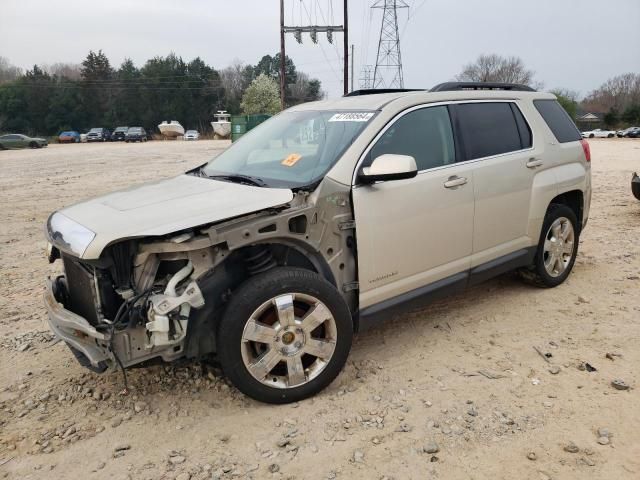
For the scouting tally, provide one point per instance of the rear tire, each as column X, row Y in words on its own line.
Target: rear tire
column 591, row 136
column 265, row 340
column 557, row 248
column 33, row 145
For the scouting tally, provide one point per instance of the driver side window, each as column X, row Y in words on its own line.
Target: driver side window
column 424, row 134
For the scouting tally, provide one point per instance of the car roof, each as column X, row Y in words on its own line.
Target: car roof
column 377, row 101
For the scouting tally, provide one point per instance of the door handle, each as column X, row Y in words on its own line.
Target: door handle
column 455, row 181
column 534, row 162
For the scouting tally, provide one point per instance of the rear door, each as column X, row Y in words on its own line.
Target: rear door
column 9, row 141
column 414, row 232
column 498, row 146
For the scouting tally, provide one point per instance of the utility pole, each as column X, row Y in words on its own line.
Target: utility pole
column 388, row 59
column 313, row 33
column 352, row 57
column 282, row 55
column 346, row 48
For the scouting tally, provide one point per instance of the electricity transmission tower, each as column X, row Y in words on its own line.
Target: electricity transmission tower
column 366, row 77
column 388, row 70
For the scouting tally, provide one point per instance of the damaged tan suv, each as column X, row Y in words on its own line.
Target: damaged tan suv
column 317, row 224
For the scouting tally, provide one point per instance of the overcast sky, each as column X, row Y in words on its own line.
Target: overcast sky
column 576, row 44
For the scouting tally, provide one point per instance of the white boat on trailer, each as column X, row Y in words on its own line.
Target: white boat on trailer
column 171, row 129
column 222, row 125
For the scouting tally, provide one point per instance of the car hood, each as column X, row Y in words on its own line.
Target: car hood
column 168, row 206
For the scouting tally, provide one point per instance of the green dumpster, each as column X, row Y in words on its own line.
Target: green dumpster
column 241, row 124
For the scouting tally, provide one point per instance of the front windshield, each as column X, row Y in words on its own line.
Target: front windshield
column 135, row 129
column 293, row 149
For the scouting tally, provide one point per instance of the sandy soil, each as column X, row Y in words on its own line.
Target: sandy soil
column 413, row 383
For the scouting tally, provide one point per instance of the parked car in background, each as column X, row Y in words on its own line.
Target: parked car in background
column 136, row 134
column 598, row 133
column 119, row 134
column 83, row 138
column 17, row 140
column 633, row 133
column 69, row 137
column 99, row 135
column 328, row 219
column 625, row 132
column 191, row 135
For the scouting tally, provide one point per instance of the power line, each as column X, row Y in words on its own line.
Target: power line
column 87, row 87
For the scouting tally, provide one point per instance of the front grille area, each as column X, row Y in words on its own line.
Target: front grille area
column 81, row 287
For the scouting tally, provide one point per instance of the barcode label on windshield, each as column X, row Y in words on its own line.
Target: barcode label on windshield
column 351, row 117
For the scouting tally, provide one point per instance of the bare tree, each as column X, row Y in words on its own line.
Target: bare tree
column 495, row 68
column 235, row 79
column 70, row 71
column 8, row 72
column 305, row 89
column 617, row 93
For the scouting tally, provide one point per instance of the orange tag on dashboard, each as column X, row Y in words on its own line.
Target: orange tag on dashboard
column 291, row 160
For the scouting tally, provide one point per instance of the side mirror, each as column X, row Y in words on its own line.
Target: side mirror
column 389, row 167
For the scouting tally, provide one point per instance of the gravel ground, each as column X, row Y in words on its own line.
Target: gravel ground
column 455, row 391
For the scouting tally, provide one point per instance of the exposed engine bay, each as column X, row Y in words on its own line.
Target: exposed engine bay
column 162, row 296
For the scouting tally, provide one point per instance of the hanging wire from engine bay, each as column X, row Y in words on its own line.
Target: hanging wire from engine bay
column 124, row 312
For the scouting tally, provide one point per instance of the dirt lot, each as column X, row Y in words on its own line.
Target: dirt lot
column 460, row 380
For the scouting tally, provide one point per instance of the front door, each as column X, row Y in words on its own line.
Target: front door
column 413, row 232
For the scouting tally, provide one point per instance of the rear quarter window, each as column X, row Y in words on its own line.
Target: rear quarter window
column 558, row 120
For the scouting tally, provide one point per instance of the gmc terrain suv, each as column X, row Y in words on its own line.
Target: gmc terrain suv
column 317, row 224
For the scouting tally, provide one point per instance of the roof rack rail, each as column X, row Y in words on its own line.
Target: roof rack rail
column 450, row 86
column 375, row 91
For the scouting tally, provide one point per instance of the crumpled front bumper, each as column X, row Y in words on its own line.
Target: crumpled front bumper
column 87, row 344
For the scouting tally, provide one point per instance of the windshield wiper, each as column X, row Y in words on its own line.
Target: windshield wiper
column 237, row 178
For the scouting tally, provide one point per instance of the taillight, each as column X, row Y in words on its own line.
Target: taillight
column 587, row 149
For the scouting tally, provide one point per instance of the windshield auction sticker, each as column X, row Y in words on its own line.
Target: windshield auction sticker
column 291, row 160
column 352, row 117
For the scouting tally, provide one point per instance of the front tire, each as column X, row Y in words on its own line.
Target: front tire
column 557, row 249
column 285, row 335
column 591, row 136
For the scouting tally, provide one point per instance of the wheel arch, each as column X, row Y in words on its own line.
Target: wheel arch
column 574, row 199
column 221, row 281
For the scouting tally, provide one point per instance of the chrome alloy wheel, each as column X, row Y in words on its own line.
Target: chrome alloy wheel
column 558, row 246
column 289, row 340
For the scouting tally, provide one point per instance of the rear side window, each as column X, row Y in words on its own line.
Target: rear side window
column 558, row 120
column 523, row 127
column 491, row 129
column 424, row 134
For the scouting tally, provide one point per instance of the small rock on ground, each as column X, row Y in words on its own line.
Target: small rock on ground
column 431, row 447
column 571, row 448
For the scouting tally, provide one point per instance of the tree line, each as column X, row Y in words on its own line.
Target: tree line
column 46, row 100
